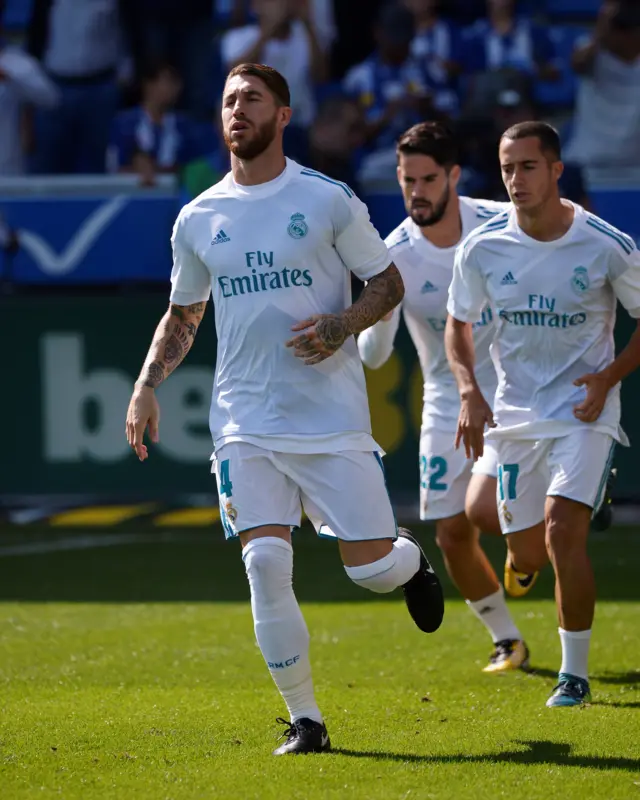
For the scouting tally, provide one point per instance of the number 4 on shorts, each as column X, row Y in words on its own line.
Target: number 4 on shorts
column 508, row 476
column 226, row 486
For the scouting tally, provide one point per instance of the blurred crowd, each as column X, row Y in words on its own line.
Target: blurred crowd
column 95, row 86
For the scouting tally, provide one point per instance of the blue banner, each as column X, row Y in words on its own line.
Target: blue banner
column 91, row 240
column 96, row 236
column 620, row 207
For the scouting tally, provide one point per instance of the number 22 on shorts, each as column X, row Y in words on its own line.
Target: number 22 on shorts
column 433, row 471
column 507, row 479
column 226, row 487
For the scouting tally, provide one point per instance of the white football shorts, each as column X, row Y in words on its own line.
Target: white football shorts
column 575, row 466
column 343, row 494
column 445, row 474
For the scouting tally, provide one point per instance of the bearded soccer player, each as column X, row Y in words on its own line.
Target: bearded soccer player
column 274, row 243
column 553, row 273
column 423, row 249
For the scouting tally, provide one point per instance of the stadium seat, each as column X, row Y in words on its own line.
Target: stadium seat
column 16, row 15
column 561, row 93
column 576, row 9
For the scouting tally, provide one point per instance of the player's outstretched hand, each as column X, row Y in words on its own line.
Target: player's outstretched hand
column 475, row 413
column 597, row 387
column 143, row 412
column 322, row 335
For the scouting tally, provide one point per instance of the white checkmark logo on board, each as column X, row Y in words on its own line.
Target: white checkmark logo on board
column 54, row 263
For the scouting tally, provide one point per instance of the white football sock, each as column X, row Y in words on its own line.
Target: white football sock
column 575, row 652
column 493, row 613
column 279, row 625
column 389, row 572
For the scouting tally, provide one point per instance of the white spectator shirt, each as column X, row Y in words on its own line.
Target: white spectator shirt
column 606, row 124
column 272, row 255
column 427, row 271
column 555, row 305
column 84, row 37
column 24, row 82
column 290, row 56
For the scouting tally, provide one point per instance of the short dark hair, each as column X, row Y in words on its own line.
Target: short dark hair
column 546, row 134
column 272, row 79
column 435, row 139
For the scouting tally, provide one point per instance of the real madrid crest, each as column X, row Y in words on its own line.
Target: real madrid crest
column 230, row 511
column 508, row 516
column 298, row 228
column 580, row 280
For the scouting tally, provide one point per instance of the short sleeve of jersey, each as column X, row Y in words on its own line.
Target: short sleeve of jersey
column 467, row 294
column 624, row 273
column 190, row 279
column 357, row 242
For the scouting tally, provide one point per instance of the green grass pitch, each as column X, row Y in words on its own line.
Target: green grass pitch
column 131, row 671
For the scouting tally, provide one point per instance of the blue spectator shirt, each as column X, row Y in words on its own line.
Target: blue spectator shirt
column 170, row 144
column 525, row 45
column 375, row 84
column 430, row 48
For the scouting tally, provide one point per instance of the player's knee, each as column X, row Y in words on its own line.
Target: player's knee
column 480, row 506
column 562, row 539
column 567, row 528
column 454, row 535
column 268, row 563
column 483, row 515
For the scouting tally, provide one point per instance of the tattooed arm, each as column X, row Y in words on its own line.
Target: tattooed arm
column 323, row 334
column 171, row 343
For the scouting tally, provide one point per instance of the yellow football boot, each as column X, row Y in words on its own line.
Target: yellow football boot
column 517, row 584
column 509, row 654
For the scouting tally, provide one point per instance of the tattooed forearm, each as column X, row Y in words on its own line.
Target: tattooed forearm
column 173, row 350
column 171, row 343
column 178, row 344
column 155, row 374
column 332, row 331
column 183, row 313
column 381, row 295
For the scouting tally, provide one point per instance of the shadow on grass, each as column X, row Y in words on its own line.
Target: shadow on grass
column 537, row 752
column 627, row 678
column 542, row 672
column 127, row 564
column 617, row 703
column 631, row 678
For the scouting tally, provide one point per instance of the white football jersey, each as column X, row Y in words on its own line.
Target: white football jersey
column 427, row 271
column 272, row 255
column 555, row 305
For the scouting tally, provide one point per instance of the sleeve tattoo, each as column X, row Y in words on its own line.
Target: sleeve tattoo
column 382, row 294
column 171, row 343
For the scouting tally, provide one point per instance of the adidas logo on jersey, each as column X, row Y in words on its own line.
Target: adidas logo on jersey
column 428, row 287
column 508, row 280
column 220, row 238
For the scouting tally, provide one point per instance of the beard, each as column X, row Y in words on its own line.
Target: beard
column 425, row 216
column 255, row 146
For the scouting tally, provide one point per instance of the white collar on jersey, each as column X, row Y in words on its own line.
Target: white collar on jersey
column 262, row 190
